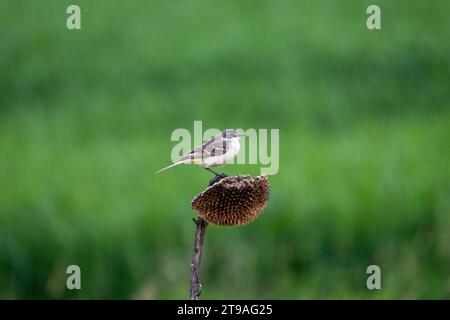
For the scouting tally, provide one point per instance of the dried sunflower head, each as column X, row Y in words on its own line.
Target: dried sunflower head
column 233, row 200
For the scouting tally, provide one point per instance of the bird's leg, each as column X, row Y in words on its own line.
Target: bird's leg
column 211, row 170
column 217, row 176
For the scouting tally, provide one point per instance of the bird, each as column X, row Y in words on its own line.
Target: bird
column 216, row 152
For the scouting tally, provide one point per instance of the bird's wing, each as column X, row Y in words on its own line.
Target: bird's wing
column 213, row 147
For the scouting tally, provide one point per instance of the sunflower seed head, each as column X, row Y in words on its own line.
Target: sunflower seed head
column 233, row 200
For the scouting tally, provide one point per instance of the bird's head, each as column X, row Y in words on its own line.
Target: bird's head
column 232, row 133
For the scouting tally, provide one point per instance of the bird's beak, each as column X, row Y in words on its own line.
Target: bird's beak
column 240, row 134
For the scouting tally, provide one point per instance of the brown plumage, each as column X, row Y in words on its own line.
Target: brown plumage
column 234, row 200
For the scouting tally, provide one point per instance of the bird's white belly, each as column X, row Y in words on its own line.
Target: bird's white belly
column 222, row 159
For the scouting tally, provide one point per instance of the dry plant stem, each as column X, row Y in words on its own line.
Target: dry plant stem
column 196, row 286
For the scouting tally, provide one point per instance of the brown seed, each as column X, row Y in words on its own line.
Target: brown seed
column 234, row 200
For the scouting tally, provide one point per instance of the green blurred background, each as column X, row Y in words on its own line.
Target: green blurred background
column 86, row 118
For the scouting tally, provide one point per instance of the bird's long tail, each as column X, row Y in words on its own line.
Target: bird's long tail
column 171, row 166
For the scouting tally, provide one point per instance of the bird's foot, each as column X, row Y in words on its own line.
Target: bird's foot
column 217, row 176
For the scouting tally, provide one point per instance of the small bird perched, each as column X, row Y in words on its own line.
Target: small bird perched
column 215, row 152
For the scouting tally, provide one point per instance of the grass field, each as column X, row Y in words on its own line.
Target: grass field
column 86, row 118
